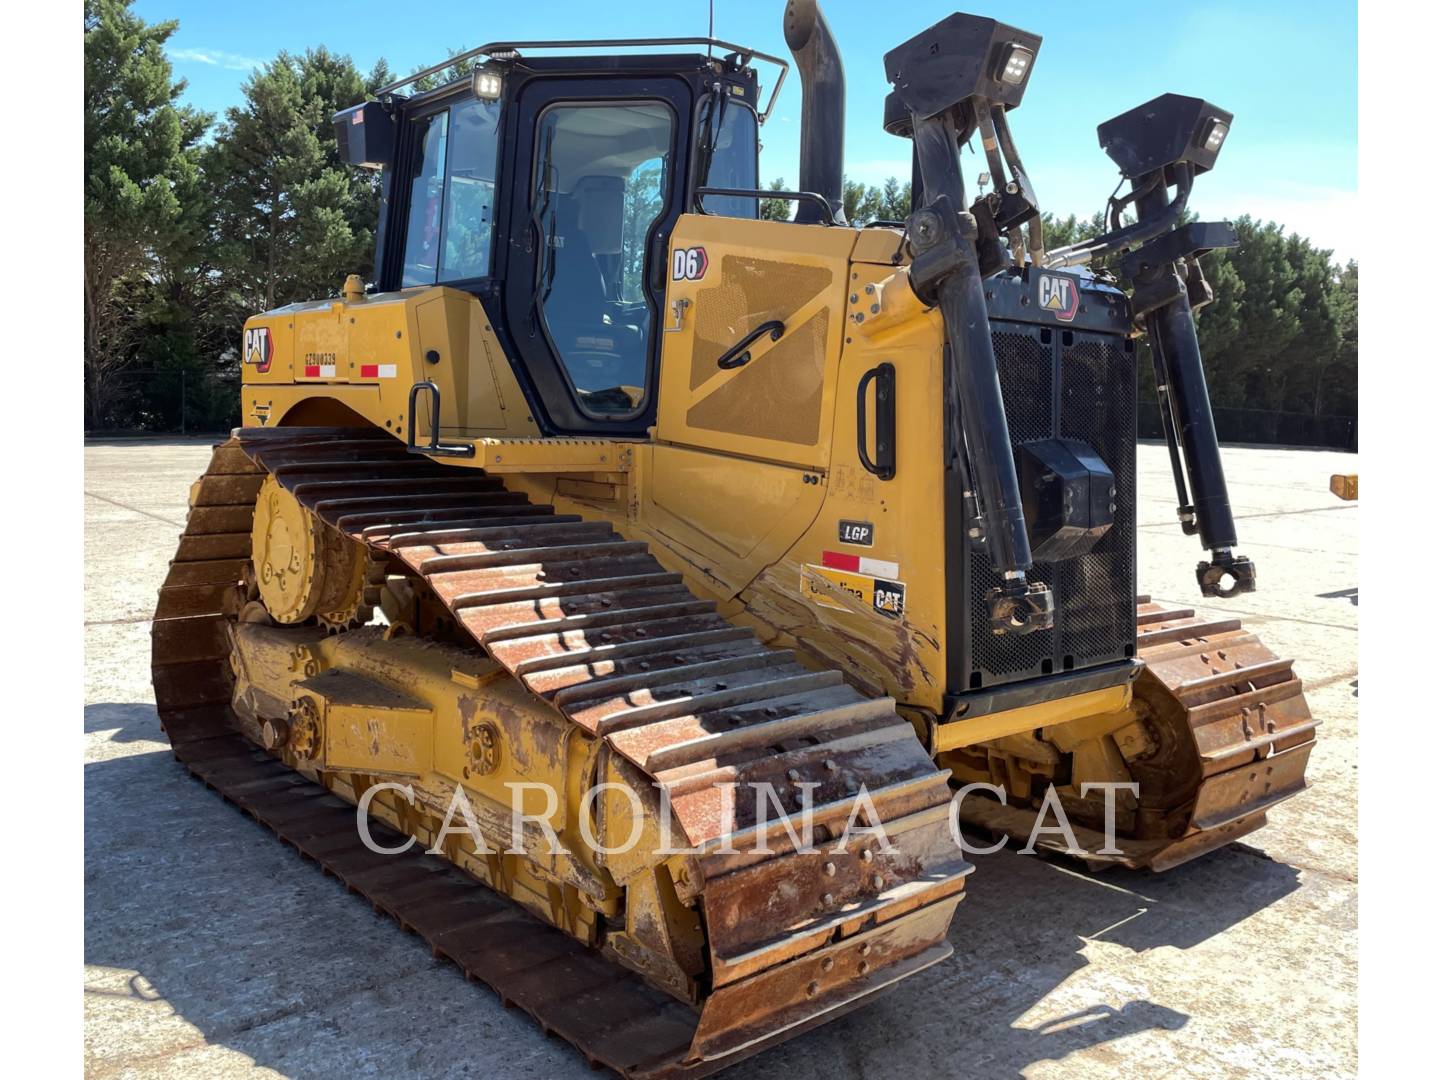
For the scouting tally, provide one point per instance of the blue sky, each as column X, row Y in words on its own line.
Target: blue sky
column 1286, row 68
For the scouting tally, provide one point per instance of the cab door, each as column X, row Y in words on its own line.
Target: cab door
column 600, row 167
column 755, row 321
column 729, row 278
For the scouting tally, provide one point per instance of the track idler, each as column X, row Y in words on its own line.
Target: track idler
column 1217, row 733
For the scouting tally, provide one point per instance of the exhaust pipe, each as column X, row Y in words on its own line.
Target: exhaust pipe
column 822, row 111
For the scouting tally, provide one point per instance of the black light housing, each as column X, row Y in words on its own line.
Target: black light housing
column 1164, row 132
column 366, row 135
column 960, row 57
column 487, row 83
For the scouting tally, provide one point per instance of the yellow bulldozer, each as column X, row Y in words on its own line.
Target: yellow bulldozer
column 610, row 502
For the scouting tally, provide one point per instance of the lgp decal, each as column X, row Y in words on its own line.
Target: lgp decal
column 859, row 533
column 257, row 348
column 689, row 264
column 1059, row 296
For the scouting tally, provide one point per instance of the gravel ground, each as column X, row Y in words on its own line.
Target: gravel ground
column 210, row 948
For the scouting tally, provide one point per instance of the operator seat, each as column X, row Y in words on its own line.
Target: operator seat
column 598, row 350
column 577, row 293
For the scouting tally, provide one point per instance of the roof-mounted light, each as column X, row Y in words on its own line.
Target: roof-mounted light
column 486, row 83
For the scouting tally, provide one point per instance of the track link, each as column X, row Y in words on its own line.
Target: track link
column 1230, row 735
column 593, row 624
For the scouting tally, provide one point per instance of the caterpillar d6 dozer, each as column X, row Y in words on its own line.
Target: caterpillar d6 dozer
column 611, row 502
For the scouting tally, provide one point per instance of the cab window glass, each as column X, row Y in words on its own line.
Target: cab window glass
column 470, row 190
column 729, row 139
column 451, row 224
column 644, row 198
column 427, row 200
column 601, row 177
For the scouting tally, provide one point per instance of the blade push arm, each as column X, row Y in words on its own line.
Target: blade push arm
column 1167, row 142
column 947, row 81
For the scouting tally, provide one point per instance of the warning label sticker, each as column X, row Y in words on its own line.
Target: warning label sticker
column 818, row 584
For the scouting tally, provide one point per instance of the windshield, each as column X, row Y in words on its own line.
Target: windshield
column 729, row 155
column 601, row 177
column 451, row 227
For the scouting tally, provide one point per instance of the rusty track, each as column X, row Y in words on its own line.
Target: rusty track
column 596, row 626
column 1231, row 738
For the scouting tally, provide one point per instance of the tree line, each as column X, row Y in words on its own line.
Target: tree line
column 1282, row 335
column 193, row 222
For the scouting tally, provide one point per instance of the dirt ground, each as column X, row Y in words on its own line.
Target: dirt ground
column 210, row 948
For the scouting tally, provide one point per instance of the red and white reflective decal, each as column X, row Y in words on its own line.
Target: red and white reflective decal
column 860, row 564
column 377, row 371
column 319, row 371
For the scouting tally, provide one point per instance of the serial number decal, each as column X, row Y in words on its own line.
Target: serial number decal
column 689, row 264
column 859, row 533
column 818, row 584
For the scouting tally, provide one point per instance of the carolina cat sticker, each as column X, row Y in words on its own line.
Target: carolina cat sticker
column 818, row 584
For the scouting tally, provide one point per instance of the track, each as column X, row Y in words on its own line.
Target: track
column 594, row 625
column 1227, row 735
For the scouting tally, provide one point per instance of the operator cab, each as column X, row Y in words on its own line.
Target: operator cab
column 548, row 188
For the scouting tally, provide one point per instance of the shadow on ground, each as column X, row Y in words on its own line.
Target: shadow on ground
column 231, row 930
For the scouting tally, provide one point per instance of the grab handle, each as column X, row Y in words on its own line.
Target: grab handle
column 435, row 448
column 883, row 377
column 738, row 355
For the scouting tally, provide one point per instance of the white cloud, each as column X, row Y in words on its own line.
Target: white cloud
column 216, row 58
column 875, row 172
column 1329, row 217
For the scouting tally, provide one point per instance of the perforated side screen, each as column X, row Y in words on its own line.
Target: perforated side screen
column 778, row 395
column 1079, row 385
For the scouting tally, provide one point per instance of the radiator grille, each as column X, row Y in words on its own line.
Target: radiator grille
column 1094, row 593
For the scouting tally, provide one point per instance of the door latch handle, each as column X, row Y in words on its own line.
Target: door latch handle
column 678, row 307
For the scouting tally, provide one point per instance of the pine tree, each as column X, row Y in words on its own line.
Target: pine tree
column 290, row 220
column 776, row 209
column 141, row 181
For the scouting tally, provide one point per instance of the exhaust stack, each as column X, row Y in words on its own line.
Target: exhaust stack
column 822, row 113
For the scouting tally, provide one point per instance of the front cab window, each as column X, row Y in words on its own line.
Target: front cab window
column 451, row 223
column 602, row 172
